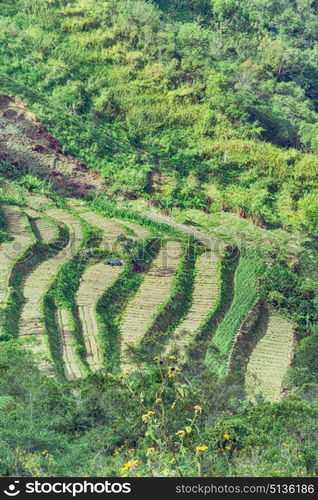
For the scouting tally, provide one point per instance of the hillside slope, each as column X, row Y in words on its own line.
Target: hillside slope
column 26, row 144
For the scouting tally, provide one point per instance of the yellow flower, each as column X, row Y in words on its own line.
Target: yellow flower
column 201, row 448
column 128, row 466
column 228, row 448
column 125, row 467
column 158, row 401
column 146, row 417
column 155, row 358
column 285, row 444
column 226, row 436
column 126, row 373
column 116, row 453
column 136, row 462
column 151, row 451
column 197, row 409
column 45, row 452
column 124, row 475
column 172, row 358
column 181, row 433
column 173, row 460
column 171, row 375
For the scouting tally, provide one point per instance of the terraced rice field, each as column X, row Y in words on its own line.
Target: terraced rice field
column 95, row 281
column 71, row 361
column 207, row 240
column 140, row 231
column 204, row 299
column 37, row 283
column 46, row 227
column 270, row 360
column 110, row 230
column 155, row 290
column 267, row 364
column 102, row 222
column 22, row 238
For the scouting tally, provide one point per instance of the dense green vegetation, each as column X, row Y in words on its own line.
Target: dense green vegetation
column 202, row 110
column 218, row 101
column 48, row 429
column 3, row 226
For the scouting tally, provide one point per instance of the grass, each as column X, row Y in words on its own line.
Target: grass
column 153, row 296
column 252, row 329
column 49, row 310
column 246, row 279
column 20, row 240
column 241, row 232
column 73, row 366
column 45, row 229
column 63, row 291
column 109, row 208
column 96, row 279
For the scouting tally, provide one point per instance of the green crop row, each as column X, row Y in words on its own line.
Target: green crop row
column 108, row 207
column 247, row 275
column 173, row 311
column 112, row 305
column 61, row 293
column 198, row 348
column 3, row 226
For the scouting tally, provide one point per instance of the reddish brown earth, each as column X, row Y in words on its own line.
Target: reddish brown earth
column 24, row 142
